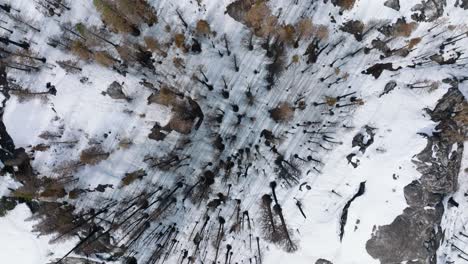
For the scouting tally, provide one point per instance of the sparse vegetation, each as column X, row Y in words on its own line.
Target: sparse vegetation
column 282, row 113
column 203, row 28
column 93, row 155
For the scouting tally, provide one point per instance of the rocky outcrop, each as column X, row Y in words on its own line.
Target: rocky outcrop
column 393, row 4
column 415, row 235
column 323, row 261
column 428, row 10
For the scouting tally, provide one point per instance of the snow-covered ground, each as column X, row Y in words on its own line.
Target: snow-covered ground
column 20, row 245
column 80, row 113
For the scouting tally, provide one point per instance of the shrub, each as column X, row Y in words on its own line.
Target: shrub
column 399, row 29
column 203, row 27
column 282, row 113
column 344, row 4
column 404, row 29
column 79, row 49
column 321, row 32
column 179, row 40
column 113, row 18
column 413, row 42
column 259, row 18
column 180, row 123
column 304, row 29
column 287, row 33
column 104, row 58
column 126, row 53
column 165, row 97
column 154, row 45
column 133, row 176
column 331, row 101
column 93, row 155
column 138, row 11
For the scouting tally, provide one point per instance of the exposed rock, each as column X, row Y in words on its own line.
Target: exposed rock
column 344, row 214
column 400, row 28
column 428, row 10
column 354, row 27
column 157, row 133
column 390, row 86
column 364, row 139
column 415, row 235
column 377, row 69
column 187, row 113
column 462, row 3
column 393, row 4
column 323, row 261
column 115, row 91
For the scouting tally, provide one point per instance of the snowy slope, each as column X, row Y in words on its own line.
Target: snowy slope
column 82, row 114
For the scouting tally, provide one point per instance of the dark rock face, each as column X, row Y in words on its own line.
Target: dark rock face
column 377, row 69
column 364, row 139
column 73, row 260
column 390, row 86
column 354, row 27
column 344, row 214
column 393, row 4
column 407, row 236
column 115, row 91
column 416, row 234
column 462, row 3
column 428, row 10
column 323, row 261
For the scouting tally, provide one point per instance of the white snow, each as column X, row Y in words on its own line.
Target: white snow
column 82, row 113
column 19, row 245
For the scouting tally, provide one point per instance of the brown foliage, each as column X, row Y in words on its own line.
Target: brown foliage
column 154, row 45
column 203, row 28
column 404, row 29
column 79, row 49
column 70, row 66
column 111, row 16
column 344, row 4
column 125, row 143
column 461, row 116
column 321, row 32
column 282, row 113
column 166, row 97
column 304, row 28
column 331, row 101
column 259, row 18
column 138, row 11
column 178, row 62
column 181, row 122
column 400, row 28
column 179, row 40
column 54, row 192
column 93, row 155
column 104, row 58
column 413, row 42
column 133, row 176
column 126, row 53
column 55, row 218
column 287, row 33
column 41, row 147
column 268, row 27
